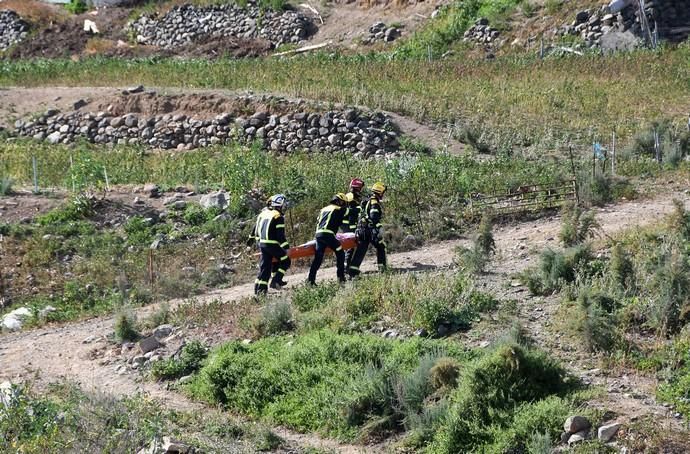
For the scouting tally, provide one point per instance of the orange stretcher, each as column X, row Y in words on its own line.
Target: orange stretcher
column 308, row 249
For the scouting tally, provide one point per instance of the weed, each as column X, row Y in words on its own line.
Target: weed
column 540, row 443
column 265, row 439
column 76, row 6
column 679, row 220
column 189, row 361
column 308, row 297
column 276, row 318
column 125, row 327
column 622, row 270
column 596, row 325
column 557, row 269
column 477, row 257
column 444, row 373
column 160, row 316
column 577, row 226
column 5, row 186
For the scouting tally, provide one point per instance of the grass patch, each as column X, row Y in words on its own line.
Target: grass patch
column 526, row 101
column 189, row 361
column 366, row 387
column 65, row 418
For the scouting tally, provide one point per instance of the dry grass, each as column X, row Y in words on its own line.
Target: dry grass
column 34, row 10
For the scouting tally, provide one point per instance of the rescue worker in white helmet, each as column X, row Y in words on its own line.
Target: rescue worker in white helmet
column 330, row 219
column 269, row 232
column 370, row 231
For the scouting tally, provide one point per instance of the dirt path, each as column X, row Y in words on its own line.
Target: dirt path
column 53, row 353
column 18, row 102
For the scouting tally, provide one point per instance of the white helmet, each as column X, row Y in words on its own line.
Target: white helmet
column 278, row 201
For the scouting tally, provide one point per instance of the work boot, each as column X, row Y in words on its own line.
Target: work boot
column 311, row 283
column 278, row 285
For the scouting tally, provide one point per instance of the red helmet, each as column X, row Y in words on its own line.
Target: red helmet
column 356, row 185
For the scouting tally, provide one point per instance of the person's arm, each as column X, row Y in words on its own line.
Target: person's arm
column 280, row 231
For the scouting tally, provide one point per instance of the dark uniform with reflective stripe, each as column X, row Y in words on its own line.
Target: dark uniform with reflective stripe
column 369, row 232
column 270, row 233
column 354, row 210
column 330, row 219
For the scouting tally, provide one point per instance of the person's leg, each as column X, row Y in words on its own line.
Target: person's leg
column 280, row 266
column 337, row 248
column 357, row 258
column 318, row 259
column 381, row 258
column 265, row 265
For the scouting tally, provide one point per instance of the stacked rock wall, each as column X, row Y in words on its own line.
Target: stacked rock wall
column 352, row 131
column 13, row 29
column 187, row 23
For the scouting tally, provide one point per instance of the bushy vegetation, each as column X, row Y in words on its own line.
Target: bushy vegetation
column 438, row 303
column 577, row 226
column 189, row 361
column 475, row 258
column 521, row 100
column 558, row 268
column 368, row 387
column 125, row 327
column 65, row 418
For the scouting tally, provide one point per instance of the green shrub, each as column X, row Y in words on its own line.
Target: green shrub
column 6, row 185
column 495, row 393
column 76, row 209
column 276, row 318
column 189, row 361
column 595, row 325
column 577, row 226
column 125, row 327
column 264, row 440
column 444, row 373
column 540, row 443
column 77, row 6
column 557, row 269
column 308, row 297
column 671, row 283
column 323, row 381
column 679, row 220
column 622, row 270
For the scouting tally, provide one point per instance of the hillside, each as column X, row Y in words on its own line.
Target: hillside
column 537, row 220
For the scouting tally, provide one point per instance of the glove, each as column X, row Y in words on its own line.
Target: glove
column 251, row 241
column 376, row 234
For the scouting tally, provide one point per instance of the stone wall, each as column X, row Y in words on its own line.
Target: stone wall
column 187, row 23
column 13, row 29
column 360, row 133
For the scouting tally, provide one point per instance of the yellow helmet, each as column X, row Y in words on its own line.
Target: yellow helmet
column 378, row 188
column 341, row 197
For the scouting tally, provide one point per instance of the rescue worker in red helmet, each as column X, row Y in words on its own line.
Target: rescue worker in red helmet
column 269, row 232
column 330, row 219
column 370, row 231
column 354, row 211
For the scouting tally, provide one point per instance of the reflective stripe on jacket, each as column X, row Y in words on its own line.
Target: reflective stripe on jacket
column 270, row 228
column 330, row 219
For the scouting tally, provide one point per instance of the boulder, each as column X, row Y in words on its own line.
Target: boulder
column 575, row 424
column 149, row 344
column 214, row 200
column 607, row 432
column 578, row 437
column 162, row 331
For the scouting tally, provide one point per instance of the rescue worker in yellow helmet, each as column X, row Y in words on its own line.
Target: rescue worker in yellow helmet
column 330, row 219
column 370, row 231
column 269, row 231
column 354, row 211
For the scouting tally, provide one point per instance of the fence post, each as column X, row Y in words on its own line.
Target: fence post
column 71, row 171
column 107, row 182
column 35, row 170
column 613, row 153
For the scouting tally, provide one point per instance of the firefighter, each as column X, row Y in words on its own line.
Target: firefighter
column 269, row 231
column 370, row 231
column 354, row 210
column 330, row 219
